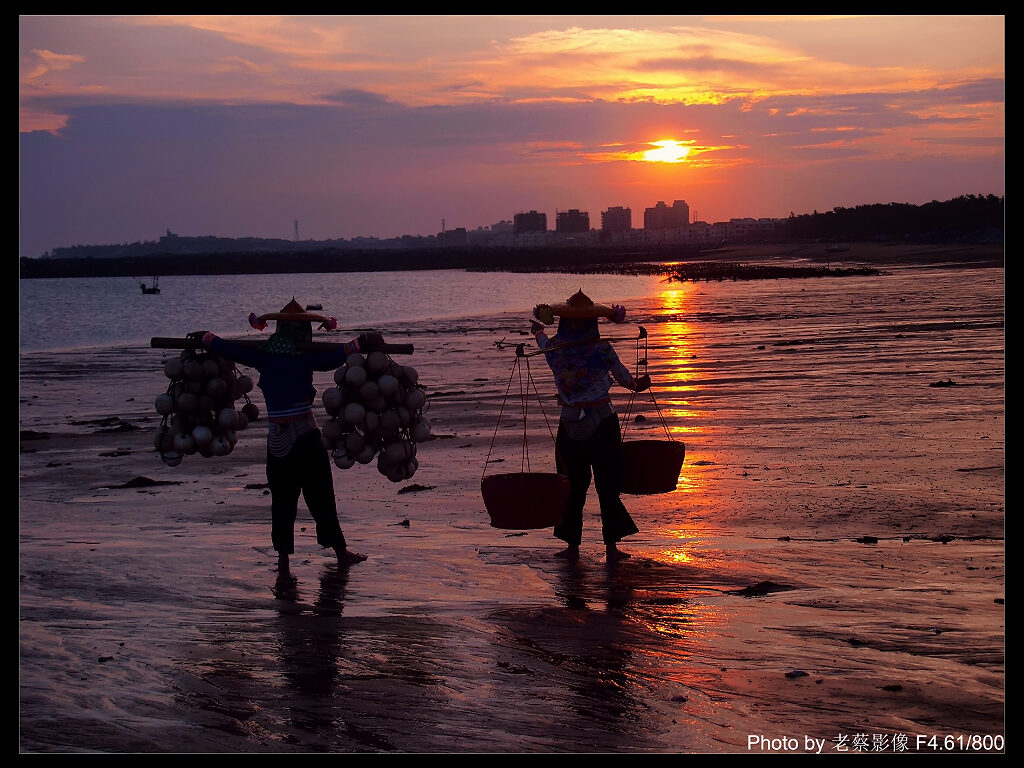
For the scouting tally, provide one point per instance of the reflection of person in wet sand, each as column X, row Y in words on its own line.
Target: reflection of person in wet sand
column 583, row 655
column 589, row 439
column 297, row 462
column 311, row 644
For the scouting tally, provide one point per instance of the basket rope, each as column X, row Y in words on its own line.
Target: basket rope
column 642, row 361
column 524, row 396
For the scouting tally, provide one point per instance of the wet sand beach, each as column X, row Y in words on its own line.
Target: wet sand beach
column 828, row 575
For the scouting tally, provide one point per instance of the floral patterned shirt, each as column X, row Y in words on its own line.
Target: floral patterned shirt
column 583, row 371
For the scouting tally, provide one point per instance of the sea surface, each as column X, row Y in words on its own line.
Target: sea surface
column 71, row 313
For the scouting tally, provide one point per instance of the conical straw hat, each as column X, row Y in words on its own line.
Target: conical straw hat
column 293, row 312
column 580, row 306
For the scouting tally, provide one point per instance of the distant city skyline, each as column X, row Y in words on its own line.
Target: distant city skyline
column 445, row 225
column 501, row 225
column 328, row 127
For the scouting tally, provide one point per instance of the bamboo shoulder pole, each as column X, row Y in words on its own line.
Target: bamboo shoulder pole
column 165, row 342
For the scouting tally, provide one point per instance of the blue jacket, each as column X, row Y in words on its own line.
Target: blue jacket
column 286, row 380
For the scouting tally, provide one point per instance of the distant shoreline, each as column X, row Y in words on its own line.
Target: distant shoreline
column 828, row 256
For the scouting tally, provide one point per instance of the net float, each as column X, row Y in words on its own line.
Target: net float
column 187, row 402
column 211, row 368
column 355, row 413
column 331, row 431
column 384, row 463
column 216, row 387
column 377, row 405
column 387, row 385
column 164, row 403
column 398, row 452
column 343, row 460
column 354, row 443
column 415, row 399
column 244, row 385
column 410, row 375
column 390, row 422
column 355, row 377
column 164, row 441
column 243, row 421
column 339, row 376
column 400, row 472
column 377, row 362
column 404, row 415
column 252, row 411
column 372, row 423
column 370, row 391
column 174, row 369
column 220, row 446
column 419, row 430
column 171, row 459
column 355, row 360
column 332, row 400
column 202, row 435
column 227, row 418
column 184, row 444
column 192, row 370
column 366, row 455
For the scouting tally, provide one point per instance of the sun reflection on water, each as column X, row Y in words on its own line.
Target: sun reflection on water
column 673, row 407
column 676, row 556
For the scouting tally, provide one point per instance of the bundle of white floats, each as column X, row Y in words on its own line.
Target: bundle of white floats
column 376, row 411
column 198, row 408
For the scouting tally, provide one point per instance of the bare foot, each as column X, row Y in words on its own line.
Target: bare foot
column 614, row 554
column 569, row 553
column 348, row 557
column 286, row 587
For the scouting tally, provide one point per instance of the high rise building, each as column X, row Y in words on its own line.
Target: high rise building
column 572, row 221
column 529, row 222
column 452, row 237
column 662, row 216
column 617, row 219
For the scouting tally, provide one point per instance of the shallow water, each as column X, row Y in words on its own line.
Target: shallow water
column 69, row 313
column 819, row 457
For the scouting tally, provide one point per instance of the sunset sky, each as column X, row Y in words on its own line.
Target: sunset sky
column 381, row 126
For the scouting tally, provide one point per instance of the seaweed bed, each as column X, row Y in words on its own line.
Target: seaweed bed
column 697, row 271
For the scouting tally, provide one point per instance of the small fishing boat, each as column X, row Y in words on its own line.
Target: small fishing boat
column 150, row 289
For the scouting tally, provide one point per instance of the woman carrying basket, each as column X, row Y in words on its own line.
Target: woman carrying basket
column 589, row 441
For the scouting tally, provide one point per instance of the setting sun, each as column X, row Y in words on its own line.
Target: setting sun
column 668, row 151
